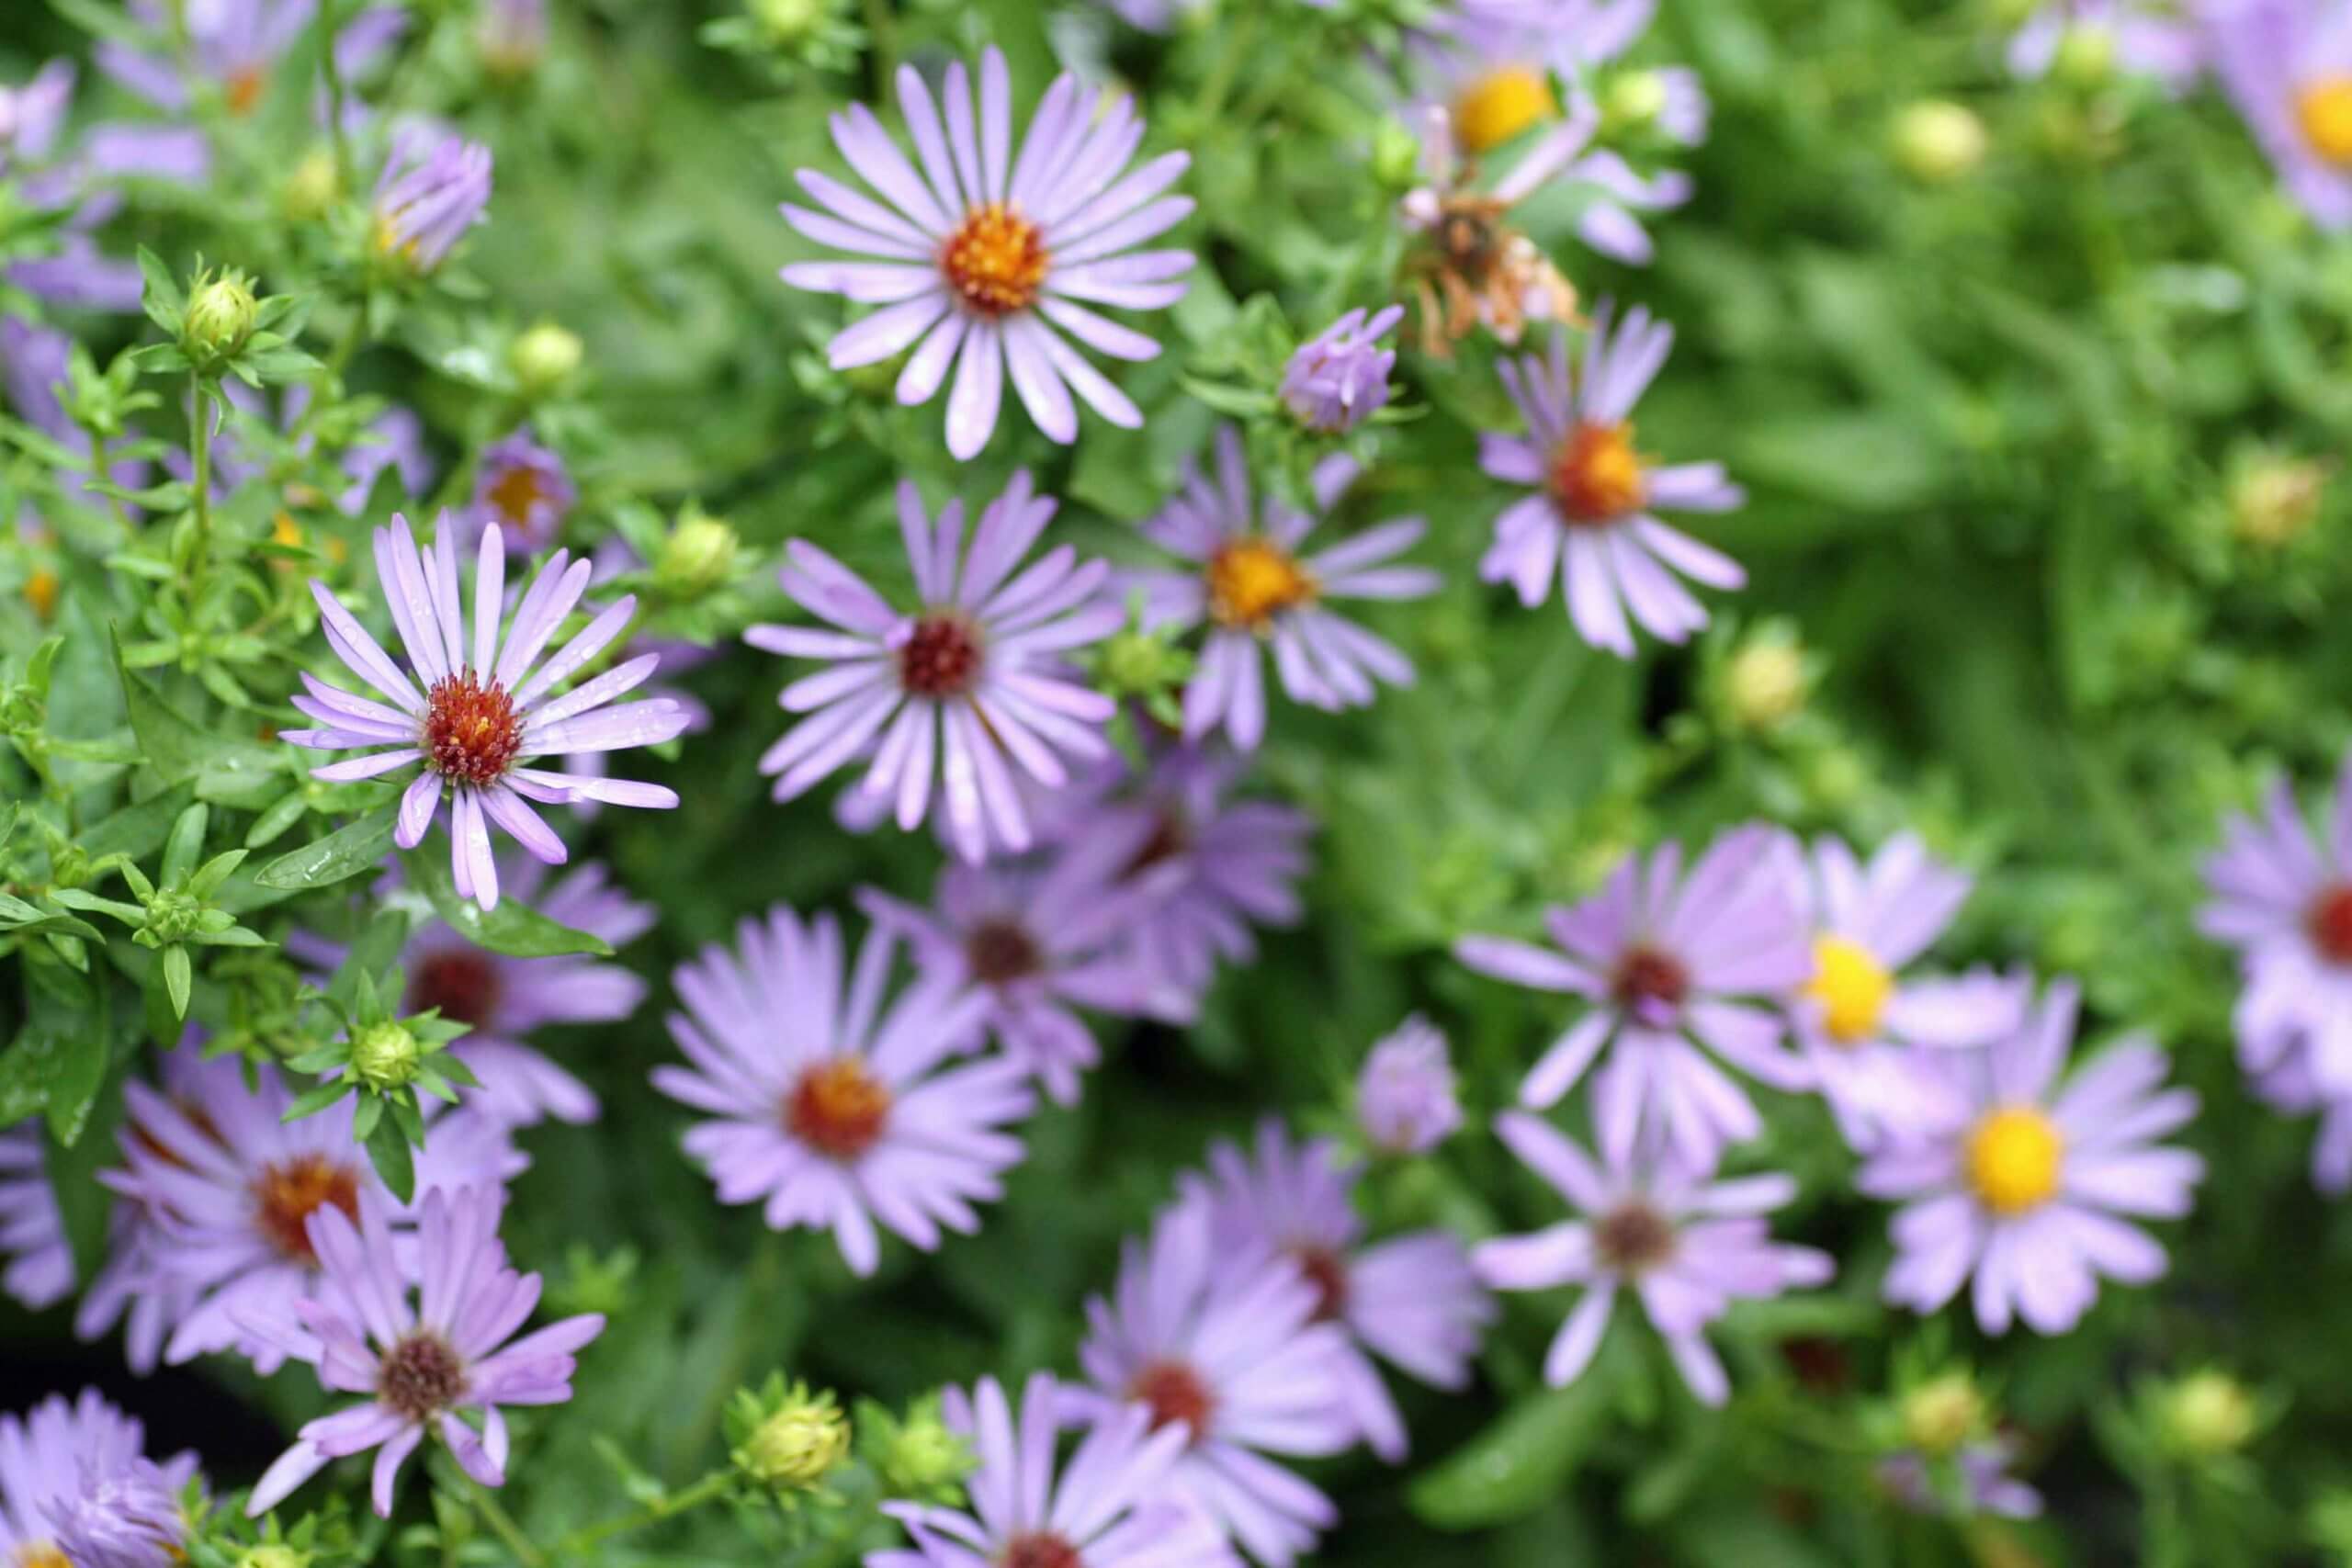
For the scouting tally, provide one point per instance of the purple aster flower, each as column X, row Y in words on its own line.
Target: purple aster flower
column 1338, row 379
column 963, row 687
column 1663, row 957
column 1411, row 1300
column 2024, row 1189
column 56, row 1455
column 235, row 46
column 478, row 719
column 225, row 1187
column 1229, row 1348
column 2147, row 38
column 32, row 1233
column 524, row 490
column 426, row 1365
column 847, row 1117
column 2291, row 1087
column 1859, row 1023
column 32, row 115
column 2288, row 65
column 2284, row 900
column 1590, row 518
column 1404, row 1096
column 128, row 1518
column 503, row 1000
column 1984, row 1476
column 1217, row 864
column 434, row 186
column 1036, row 941
column 988, row 250
column 1689, row 1247
column 1256, row 591
column 1110, row 1507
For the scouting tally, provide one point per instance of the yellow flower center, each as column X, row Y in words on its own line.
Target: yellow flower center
column 1500, row 104
column 1251, row 580
column 40, row 591
column 1597, row 475
column 2013, row 1159
column 1853, row 987
column 38, row 1554
column 2324, row 108
column 995, row 260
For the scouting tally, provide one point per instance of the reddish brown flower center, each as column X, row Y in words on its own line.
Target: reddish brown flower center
column 286, row 1195
column 244, row 89
column 518, row 492
column 1633, row 1237
column 1041, row 1550
column 995, row 260
column 459, row 981
column 420, row 1376
column 1000, row 951
column 2330, row 922
column 1647, row 980
column 1597, row 475
column 471, row 731
column 1328, row 1272
column 1175, row 1392
column 941, row 657
column 838, row 1108
column 1171, row 836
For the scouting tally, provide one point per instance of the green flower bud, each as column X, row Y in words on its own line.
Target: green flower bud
column 273, row 1554
column 796, row 1445
column 2209, row 1413
column 1633, row 100
column 2086, row 55
column 1937, row 141
column 2274, row 499
column 1137, row 664
column 787, row 21
column 698, row 555
column 924, row 1459
column 310, row 191
column 1395, row 156
column 173, row 916
column 219, row 320
column 1942, row 1414
column 385, row 1056
column 1764, row 684
column 544, row 358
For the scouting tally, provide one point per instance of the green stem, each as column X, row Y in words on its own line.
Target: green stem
column 200, row 453
column 668, row 1505
column 883, row 26
column 502, row 1525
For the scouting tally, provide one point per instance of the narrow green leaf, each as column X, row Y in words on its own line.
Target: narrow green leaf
column 358, row 846
column 160, row 299
column 179, row 977
column 393, row 1159
column 513, row 928
column 223, row 767
column 317, row 1098
column 137, row 830
column 186, row 842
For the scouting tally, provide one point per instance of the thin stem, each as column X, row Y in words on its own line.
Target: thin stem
column 1221, row 76
column 883, row 26
column 200, row 453
column 668, row 1505
column 502, row 1525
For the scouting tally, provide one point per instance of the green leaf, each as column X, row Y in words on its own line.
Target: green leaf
column 370, row 957
column 288, row 810
column 224, row 768
column 394, row 1161
column 315, row 1098
column 1520, row 1462
column 84, row 1204
column 160, row 299
column 137, row 830
column 185, row 843
column 179, row 977
column 358, row 846
column 513, row 928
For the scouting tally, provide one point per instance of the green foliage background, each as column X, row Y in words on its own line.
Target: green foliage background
column 1990, row 429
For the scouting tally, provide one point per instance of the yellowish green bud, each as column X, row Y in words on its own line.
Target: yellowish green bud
column 924, row 1456
column 273, row 1554
column 698, row 555
column 1395, row 156
column 219, row 320
column 1764, row 684
column 787, row 21
column 385, row 1056
column 2209, row 1413
column 2275, row 498
column 1634, row 100
column 544, row 358
column 1937, row 141
column 310, row 191
column 2086, row 55
column 1942, row 1414
column 796, row 1446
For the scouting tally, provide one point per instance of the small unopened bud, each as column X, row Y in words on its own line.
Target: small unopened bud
column 1937, row 142
column 787, row 21
column 797, row 1445
column 544, row 358
column 312, row 190
column 924, row 1456
column 1139, row 664
column 1634, row 100
column 1942, row 1414
column 173, row 916
column 698, row 555
column 385, row 1056
column 2209, row 1413
column 1395, row 156
column 273, row 1554
column 2086, row 55
column 2275, row 498
column 1764, row 684
column 219, row 320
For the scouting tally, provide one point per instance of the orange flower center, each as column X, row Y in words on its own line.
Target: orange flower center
column 995, row 260
column 1252, row 581
column 244, row 89
column 2325, row 109
column 472, row 732
column 40, row 591
column 941, row 658
column 38, row 1554
column 838, row 1108
column 1174, row 1392
column 287, row 1195
column 1597, row 475
column 518, row 492
column 2330, row 923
